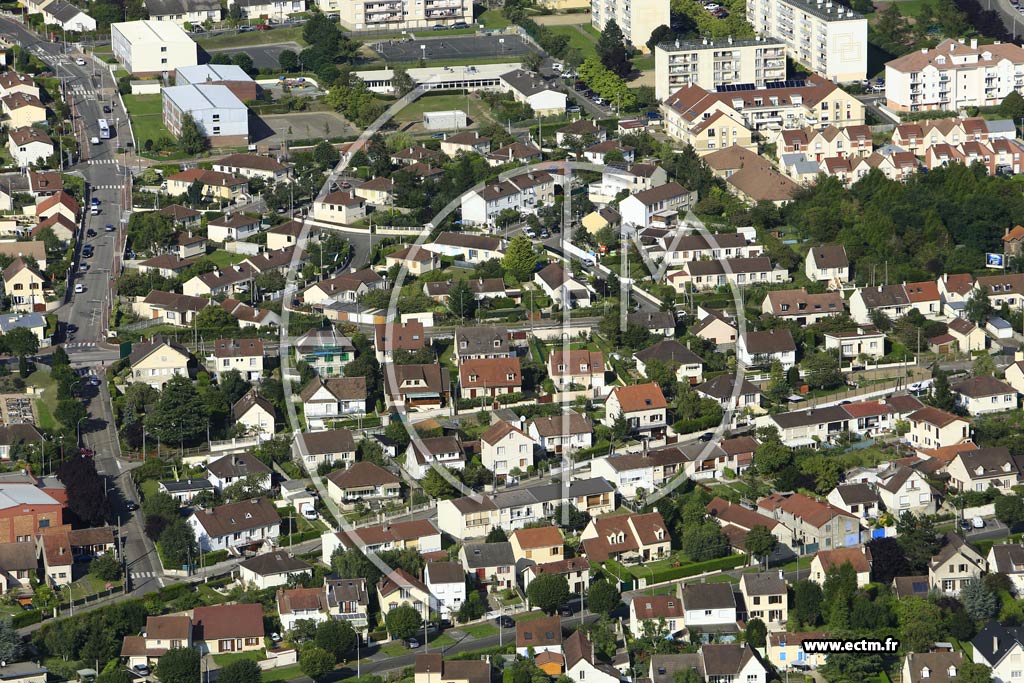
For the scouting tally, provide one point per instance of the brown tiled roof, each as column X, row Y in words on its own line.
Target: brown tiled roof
column 250, row 400
column 656, row 607
column 468, row 241
column 383, row 533
column 179, row 212
column 796, row 302
column 538, row 537
column 95, row 536
column 57, row 549
column 935, row 416
column 329, row 441
column 669, row 351
column 769, row 341
column 45, row 181
column 543, row 632
column 859, row 559
column 660, row 193
column 399, row 579
column 594, row 360
column 444, row 572
column 238, row 465
column 490, row 372
column 804, row 507
column 168, row 261
column 636, row 397
column 295, row 599
column 394, row 336
column 341, row 388
column 236, row 517
column 254, row 161
column 228, row 621
column 206, row 177
column 560, row 425
column 721, row 387
column 763, row 184
column 983, row 386
column 234, row 348
column 499, row 430
column 360, row 475
column 169, row 627
column 18, row 556
column 738, row 515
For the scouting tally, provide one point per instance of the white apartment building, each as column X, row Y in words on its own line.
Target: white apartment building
column 822, row 35
column 710, row 63
column 395, row 15
column 220, row 115
column 153, row 48
column 954, row 75
column 523, row 193
column 636, row 18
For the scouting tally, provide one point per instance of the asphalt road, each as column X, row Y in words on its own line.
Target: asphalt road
column 106, row 179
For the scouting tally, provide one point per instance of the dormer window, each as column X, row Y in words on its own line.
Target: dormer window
column 926, row 672
column 497, row 343
column 473, row 378
column 951, row 671
column 510, row 377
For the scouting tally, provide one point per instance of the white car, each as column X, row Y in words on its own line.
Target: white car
column 94, row 140
column 309, row 513
column 79, row 288
column 529, row 232
column 80, row 62
column 712, row 7
column 977, row 523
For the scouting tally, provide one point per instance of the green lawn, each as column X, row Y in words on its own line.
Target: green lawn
column 443, row 640
column 90, row 585
column 480, row 630
column 146, row 112
column 415, row 110
column 150, row 487
column 47, row 404
column 223, row 259
column 394, row 649
column 586, row 46
column 492, row 19
column 224, row 660
column 529, row 616
column 277, row 35
column 284, row 673
column 645, row 63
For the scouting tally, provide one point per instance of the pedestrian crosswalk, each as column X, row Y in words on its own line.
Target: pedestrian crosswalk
column 80, row 345
column 97, row 162
column 82, row 91
column 143, row 575
column 106, row 187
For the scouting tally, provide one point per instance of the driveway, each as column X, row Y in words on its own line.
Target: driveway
column 263, row 56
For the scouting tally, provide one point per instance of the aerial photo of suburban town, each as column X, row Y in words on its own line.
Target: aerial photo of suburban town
column 511, row 341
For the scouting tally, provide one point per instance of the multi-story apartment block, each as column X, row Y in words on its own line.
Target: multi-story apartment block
column 711, row 63
column 954, row 75
column 636, row 18
column 395, row 15
column 822, row 35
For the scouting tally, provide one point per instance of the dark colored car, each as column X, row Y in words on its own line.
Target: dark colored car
column 706, row 436
column 505, row 621
column 106, row 108
column 566, row 611
column 131, row 506
column 90, row 233
column 460, row 24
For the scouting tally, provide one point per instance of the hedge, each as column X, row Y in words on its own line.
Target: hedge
column 23, row 619
column 717, row 564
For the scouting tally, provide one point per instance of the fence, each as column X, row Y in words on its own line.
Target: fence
column 247, row 248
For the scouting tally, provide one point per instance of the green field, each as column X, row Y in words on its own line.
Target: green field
column 284, row 673
column 224, row 660
column 492, row 19
column 223, row 259
column 46, row 405
column 277, row 35
column 415, row 110
column 583, row 43
column 146, row 113
column 480, row 630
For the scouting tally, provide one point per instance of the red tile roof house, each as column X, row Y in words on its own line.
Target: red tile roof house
column 393, row 336
column 583, row 368
column 640, row 537
column 228, row 628
column 162, row 634
column 236, row 524
column 814, row 523
column 490, row 377
column 420, row 534
column 642, row 405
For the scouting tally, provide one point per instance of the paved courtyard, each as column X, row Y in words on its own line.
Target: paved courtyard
column 449, row 48
column 301, row 125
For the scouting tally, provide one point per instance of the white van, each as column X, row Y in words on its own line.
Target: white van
column 94, row 140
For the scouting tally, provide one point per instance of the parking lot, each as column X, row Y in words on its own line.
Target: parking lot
column 17, row 409
column 263, row 56
column 438, row 47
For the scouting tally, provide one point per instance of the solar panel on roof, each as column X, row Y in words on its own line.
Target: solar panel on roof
column 736, row 87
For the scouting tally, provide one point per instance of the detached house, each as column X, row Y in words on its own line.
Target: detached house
column 1008, row 559
column 826, row 560
column 566, row 432
column 828, row 264
column 540, row 545
column 398, row 588
column 236, row 524
column 757, row 348
column 489, row 377
column 765, row 597
column 932, row 667
column 627, row 538
column 362, row 481
column 563, row 289
column 244, row 355
column 708, row 607
column 984, row 468
column 1001, row 648
column 157, row 361
column 332, row 398
column 505, row 449
column 446, row 582
column 688, row 366
column 934, row 428
column 162, row 634
column 492, row 564
column 232, row 469
column 422, row 454
column 954, row 565
column 420, row 535
column 473, row 343
column 581, row 368
column 325, row 447
column 981, row 395
column 799, row 306
column 392, row 336
column 416, row 386
column 654, row 612
column 643, row 406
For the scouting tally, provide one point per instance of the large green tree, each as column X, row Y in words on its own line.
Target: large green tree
column 402, row 622
column 548, row 592
column 191, row 139
column 603, row 597
column 179, row 415
column 315, row 662
column 241, row 671
column 180, row 665
column 520, row 258
column 338, row 637
column 611, row 50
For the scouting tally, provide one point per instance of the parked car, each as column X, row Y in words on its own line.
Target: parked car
column 505, row 621
column 566, row 611
column 83, row 267
column 309, row 513
column 131, row 506
column 109, row 227
column 263, row 27
column 977, row 522
column 79, row 288
column 245, row 29
column 440, row 27
column 106, row 108
column 141, row 669
column 90, row 233
column 86, row 451
column 412, row 643
column 79, row 61
column 573, row 109
column 460, row 24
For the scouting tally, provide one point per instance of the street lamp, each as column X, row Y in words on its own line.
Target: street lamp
column 78, row 428
column 71, row 598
